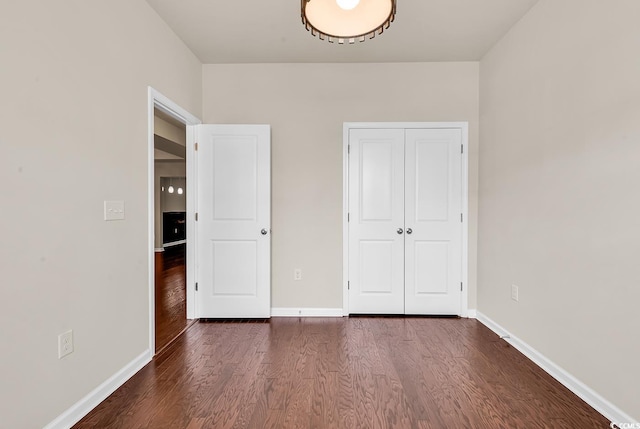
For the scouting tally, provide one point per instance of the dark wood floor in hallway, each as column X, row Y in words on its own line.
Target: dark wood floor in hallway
column 170, row 296
column 358, row 372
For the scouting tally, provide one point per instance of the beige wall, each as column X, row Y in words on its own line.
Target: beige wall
column 306, row 105
column 175, row 201
column 66, row 66
column 559, row 175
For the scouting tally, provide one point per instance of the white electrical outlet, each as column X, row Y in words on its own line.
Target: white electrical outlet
column 514, row 292
column 297, row 274
column 65, row 344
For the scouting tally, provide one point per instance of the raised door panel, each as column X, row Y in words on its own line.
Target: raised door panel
column 376, row 267
column 233, row 268
column 432, row 181
column 431, row 273
column 377, row 185
column 234, row 178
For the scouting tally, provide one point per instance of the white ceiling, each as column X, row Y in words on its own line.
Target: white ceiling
column 270, row 31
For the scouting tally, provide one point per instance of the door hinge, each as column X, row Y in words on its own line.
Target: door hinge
column 348, row 217
column 461, row 148
column 461, row 218
column 196, row 286
column 460, row 286
column 348, row 149
column 348, row 285
column 196, row 146
column 196, row 217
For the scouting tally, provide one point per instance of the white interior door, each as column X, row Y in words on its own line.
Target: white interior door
column 433, row 207
column 234, row 218
column 376, row 212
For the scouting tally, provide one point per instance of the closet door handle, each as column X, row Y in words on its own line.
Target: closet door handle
column 409, row 230
column 400, row 231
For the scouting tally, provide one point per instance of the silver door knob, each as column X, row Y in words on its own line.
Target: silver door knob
column 399, row 231
column 263, row 231
column 409, row 230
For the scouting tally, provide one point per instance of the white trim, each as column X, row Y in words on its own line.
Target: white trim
column 345, row 223
column 158, row 101
column 158, row 249
column 192, row 188
column 464, row 305
column 600, row 404
column 472, row 313
column 81, row 408
column 173, row 243
column 306, row 312
column 464, row 127
column 405, row 125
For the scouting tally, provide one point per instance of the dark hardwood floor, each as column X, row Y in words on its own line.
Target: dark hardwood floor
column 358, row 372
column 171, row 300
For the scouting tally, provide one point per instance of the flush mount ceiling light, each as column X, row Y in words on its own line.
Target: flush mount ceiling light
column 347, row 20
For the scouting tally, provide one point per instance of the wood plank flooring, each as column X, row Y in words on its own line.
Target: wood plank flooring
column 170, row 299
column 358, row 372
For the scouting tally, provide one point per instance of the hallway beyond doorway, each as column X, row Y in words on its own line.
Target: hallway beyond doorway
column 171, row 302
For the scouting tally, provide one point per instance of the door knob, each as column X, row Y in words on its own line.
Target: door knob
column 399, row 231
column 409, row 230
column 263, row 231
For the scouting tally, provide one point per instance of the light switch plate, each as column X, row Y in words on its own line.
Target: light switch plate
column 113, row 210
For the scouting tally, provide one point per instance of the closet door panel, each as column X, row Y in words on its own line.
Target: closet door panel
column 376, row 212
column 433, row 207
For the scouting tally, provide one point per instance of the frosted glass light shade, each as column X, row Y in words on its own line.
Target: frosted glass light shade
column 170, row 189
column 328, row 20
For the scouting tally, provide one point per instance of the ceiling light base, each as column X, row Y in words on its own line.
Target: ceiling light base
column 328, row 21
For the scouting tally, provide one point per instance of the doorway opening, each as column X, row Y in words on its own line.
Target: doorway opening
column 171, row 195
column 170, row 238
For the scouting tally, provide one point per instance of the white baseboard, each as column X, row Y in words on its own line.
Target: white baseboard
column 306, row 312
column 472, row 314
column 81, row 408
column 173, row 243
column 587, row 394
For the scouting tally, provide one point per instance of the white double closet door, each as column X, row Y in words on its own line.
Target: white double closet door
column 405, row 221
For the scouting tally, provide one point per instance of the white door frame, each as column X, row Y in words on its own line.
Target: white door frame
column 464, row 127
column 158, row 101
